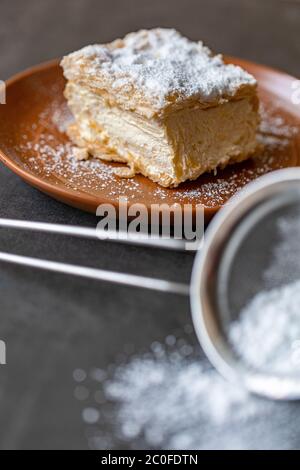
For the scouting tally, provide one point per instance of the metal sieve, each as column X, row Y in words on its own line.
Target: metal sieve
column 227, row 271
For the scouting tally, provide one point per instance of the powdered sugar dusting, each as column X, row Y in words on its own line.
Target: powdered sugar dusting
column 267, row 333
column 169, row 398
column 164, row 66
column 48, row 153
column 285, row 266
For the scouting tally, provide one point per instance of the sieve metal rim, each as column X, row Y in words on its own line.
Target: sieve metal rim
column 206, row 263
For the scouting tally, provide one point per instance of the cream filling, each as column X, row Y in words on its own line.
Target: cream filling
column 141, row 142
column 205, row 139
column 183, row 146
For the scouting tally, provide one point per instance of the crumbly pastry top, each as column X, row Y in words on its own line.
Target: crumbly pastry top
column 158, row 68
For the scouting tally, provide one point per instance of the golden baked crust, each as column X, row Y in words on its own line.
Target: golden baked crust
column 157, row 71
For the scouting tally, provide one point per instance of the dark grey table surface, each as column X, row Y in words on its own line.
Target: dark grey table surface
column 53, row 324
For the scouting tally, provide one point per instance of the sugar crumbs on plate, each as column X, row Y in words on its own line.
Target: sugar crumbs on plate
column 49, row 154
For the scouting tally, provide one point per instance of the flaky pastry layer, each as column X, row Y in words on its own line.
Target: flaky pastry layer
column 162, row 104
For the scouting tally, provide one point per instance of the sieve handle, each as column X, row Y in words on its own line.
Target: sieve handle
column 154, row 241
column 92, row 273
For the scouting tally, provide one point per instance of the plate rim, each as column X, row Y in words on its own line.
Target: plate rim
column 65, row 194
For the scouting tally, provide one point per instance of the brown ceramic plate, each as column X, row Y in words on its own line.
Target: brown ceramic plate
column 33, row 145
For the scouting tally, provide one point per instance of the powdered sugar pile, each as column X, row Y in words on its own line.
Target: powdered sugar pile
column 285, row 266
column 267, row 334
column 178, row 394
column 162, row 64
column 170, row 398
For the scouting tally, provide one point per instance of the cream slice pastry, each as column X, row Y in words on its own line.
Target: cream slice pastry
column 161, row 103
